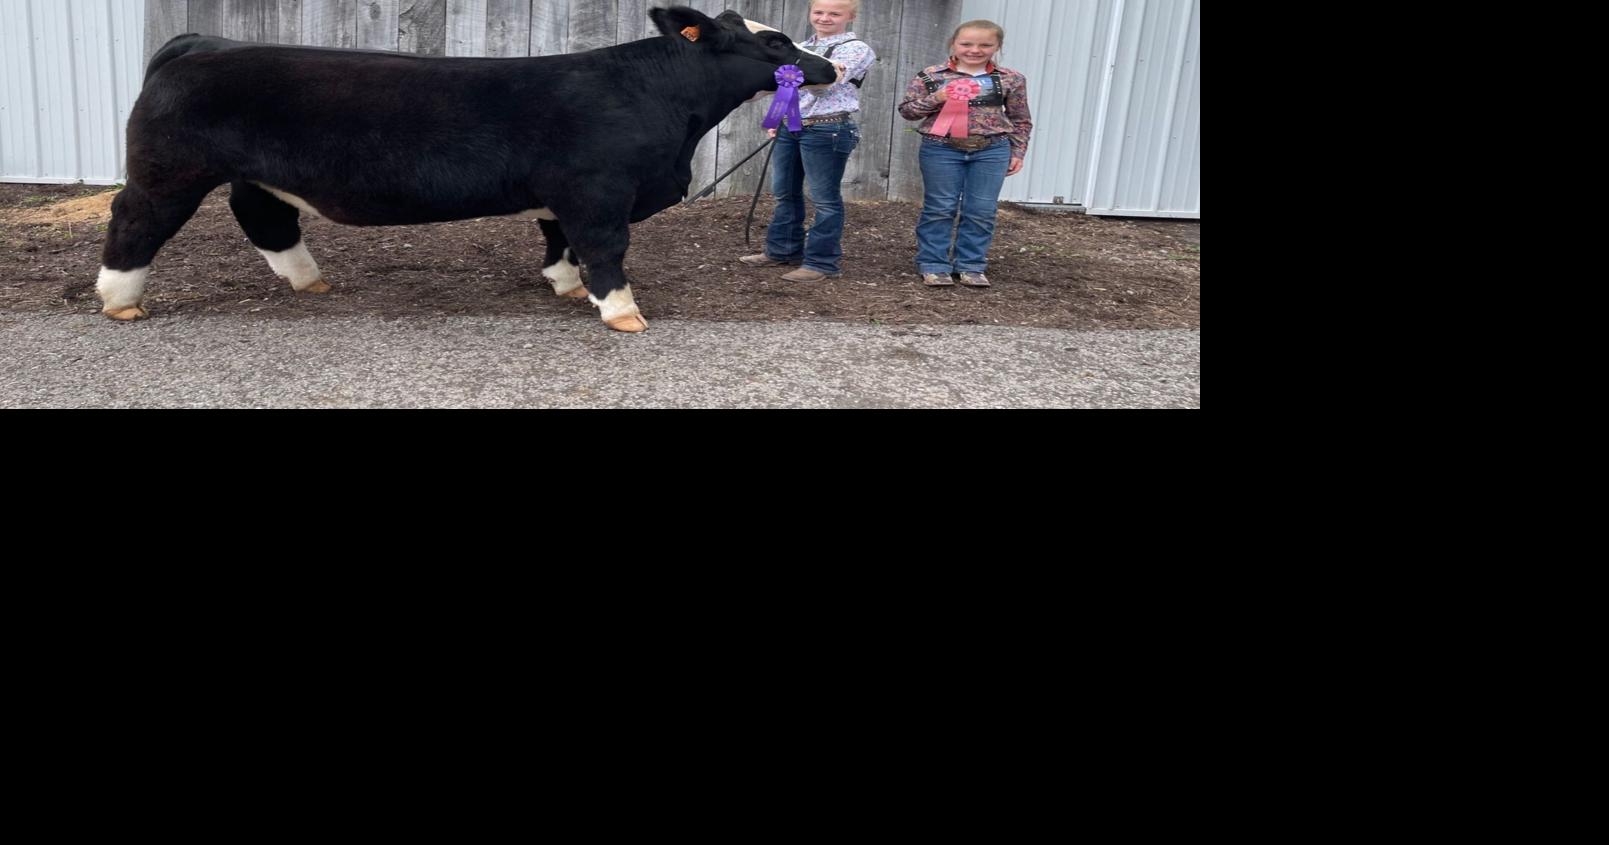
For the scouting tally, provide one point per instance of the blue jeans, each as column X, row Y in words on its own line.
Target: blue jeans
column 819, row 154
column 953, row 180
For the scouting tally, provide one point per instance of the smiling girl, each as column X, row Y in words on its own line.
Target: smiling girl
column 966, row 173
column 819, row 154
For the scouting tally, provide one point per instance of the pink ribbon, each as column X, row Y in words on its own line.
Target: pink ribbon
column 955, row 119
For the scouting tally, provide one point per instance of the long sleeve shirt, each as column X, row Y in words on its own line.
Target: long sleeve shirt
column 856, row 58
column 1013, row 119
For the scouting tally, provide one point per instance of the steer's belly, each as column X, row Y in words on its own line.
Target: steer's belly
column 358, row 210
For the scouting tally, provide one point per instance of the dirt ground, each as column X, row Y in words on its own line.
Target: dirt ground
column 1049, row 270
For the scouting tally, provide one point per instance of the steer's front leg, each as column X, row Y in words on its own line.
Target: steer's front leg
column 602, row 245
column 611, row 292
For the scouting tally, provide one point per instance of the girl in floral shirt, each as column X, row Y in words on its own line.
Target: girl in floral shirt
column 966, row 173
column 818, row 156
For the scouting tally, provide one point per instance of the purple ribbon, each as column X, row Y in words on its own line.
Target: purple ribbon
column 786, row 102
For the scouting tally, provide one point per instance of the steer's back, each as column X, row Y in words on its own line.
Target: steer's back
column 364, row 137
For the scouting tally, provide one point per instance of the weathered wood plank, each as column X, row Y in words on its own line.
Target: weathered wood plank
column 377, row 25
column 924, row 40
column 796, row 22
column 290, row 21
column 466, row 28
column 634, row 24
column 867, row 176
column 508, row 28
column 422, row 27
column 329, row 23
column 592, row 25
column 550, row 28
column 243, row 20
column 164, row 19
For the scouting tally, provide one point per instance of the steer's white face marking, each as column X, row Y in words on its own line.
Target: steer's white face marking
column 120, row 289
column 291, row 199
column 565, row 275
column 295, row 264
column 619, row 303
column 537, row 214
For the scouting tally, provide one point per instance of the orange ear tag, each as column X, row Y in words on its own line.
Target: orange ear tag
column 691, row 33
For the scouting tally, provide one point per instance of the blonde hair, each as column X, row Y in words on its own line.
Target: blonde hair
column 854, row 6
column 990, row 25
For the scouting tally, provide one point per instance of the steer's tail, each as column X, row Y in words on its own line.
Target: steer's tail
column 172, row 50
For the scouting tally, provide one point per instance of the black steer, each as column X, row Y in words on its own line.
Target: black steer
column 586, row 143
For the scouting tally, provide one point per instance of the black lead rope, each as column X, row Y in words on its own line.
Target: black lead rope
column 749, row 223
column 771, row 145
column 711, row 189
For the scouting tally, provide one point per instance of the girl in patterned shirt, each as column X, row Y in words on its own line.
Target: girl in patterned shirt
column 966, row 173
column 819, row 154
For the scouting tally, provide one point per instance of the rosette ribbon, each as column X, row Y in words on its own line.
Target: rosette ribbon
column 786, row 103
column 955, row 119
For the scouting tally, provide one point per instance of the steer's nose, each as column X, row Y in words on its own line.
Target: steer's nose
column 820, row 73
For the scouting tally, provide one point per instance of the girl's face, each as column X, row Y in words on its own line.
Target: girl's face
column 976, row 46
column 831, row 17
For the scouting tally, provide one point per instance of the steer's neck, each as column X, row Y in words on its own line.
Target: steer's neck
column 737, row 81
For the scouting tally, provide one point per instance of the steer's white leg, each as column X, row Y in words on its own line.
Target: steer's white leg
column 121, row 292
column 620, row 311
column 296, row 265
column 565, row 275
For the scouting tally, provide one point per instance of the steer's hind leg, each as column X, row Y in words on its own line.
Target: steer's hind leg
column 274, row 228
column 142, row 221
column 561, row 267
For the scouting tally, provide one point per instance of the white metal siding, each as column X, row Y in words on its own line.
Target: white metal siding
column 1115, row 89
column 69, row 73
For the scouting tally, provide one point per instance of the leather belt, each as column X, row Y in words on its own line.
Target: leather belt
column 970, row 144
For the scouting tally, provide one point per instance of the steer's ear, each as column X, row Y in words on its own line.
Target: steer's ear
column 682, row 22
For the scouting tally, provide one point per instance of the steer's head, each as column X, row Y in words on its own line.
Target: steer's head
column 735, row 38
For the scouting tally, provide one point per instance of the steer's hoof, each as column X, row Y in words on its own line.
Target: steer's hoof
column 578, row 293
column 631, row 323
column 127, row 314
column 319, row 286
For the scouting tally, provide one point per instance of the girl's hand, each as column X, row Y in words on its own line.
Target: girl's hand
column 772, row 133
column 1016, row 167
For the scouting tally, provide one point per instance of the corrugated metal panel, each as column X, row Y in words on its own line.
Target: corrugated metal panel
column 1115, row 87
column 1059, row 46
column 70, row 71
column 1147, row 160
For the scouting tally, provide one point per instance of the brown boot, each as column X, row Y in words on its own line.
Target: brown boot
column 762, row 260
